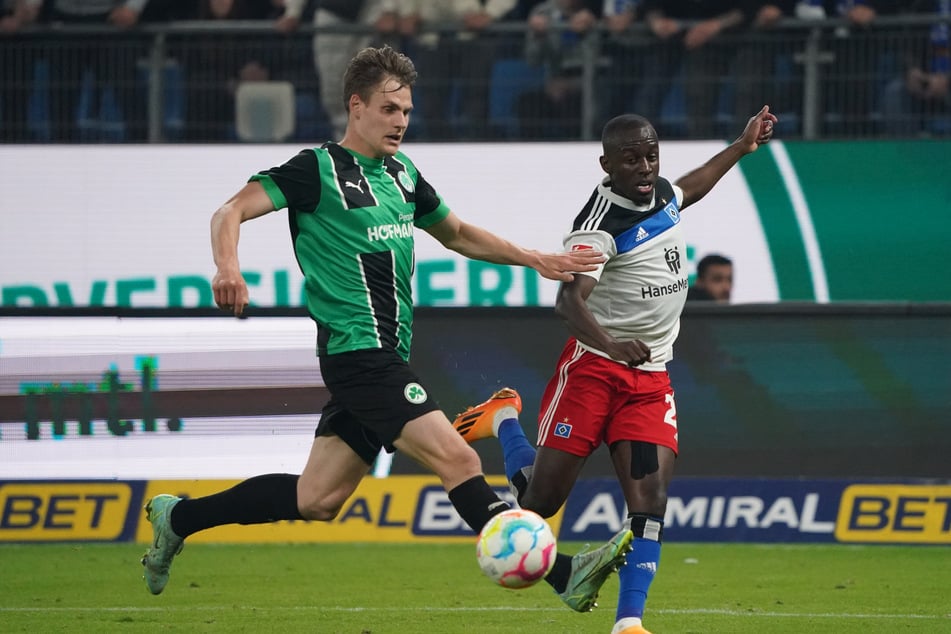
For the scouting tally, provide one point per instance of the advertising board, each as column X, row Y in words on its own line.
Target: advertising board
column 410, row 508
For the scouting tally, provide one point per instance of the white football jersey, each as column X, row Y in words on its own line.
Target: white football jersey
column 642, row 286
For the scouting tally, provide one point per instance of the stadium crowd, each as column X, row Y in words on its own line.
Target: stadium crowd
column 80, row 70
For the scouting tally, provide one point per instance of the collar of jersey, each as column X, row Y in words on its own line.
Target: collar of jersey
column 364, row 161
column 622, row 201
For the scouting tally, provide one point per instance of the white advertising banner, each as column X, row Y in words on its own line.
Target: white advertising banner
column 104, row 397
column 129, row 225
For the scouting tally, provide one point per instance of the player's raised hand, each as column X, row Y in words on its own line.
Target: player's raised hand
column 231, row 291
column 759, row 130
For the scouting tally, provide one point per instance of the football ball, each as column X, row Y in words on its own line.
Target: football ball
column 516, row 548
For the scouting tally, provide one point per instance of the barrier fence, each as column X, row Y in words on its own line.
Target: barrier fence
column 179, row 82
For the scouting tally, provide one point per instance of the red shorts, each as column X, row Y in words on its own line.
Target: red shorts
column 592, row 400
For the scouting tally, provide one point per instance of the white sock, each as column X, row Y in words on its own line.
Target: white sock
column 629, row 621
column 505, row 413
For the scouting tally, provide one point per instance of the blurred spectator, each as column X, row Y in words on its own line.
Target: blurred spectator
column 216, row 63
column 756, row 68
column 714, row 280
column 559, row 31
column 850, row 80
column 626, row 55
column 697, row 49
column 522, row 9
column 333, row 51
column 166, row 10
column 915, row 101
column 109, row 62
column 16, row 71
column 460, row 61
column 17, row 13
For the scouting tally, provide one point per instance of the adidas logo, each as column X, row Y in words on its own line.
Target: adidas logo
column 464, row 423
column 649, row 566
column 641, row 234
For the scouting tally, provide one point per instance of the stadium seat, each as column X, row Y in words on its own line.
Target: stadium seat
column 265, row 111
column 173, row 95
column 99, row 117
column 38, row 103
column 673, row 109
column 510, row 78
column 312, row 125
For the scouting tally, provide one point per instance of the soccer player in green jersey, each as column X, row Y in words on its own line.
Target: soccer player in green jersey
column 353, row 207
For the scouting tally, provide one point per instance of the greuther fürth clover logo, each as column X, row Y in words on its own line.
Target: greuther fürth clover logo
column 415, row 393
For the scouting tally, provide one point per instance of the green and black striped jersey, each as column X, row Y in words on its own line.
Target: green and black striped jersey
column 352, row 220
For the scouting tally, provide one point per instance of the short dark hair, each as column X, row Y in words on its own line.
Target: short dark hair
column 371, row 66
column 714, row 259
column 615, row 130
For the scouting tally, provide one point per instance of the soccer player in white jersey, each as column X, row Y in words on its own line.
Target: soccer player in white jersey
column 611, row 383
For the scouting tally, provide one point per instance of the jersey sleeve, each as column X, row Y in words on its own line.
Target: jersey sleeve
column 591, row 240
column 430, row 207
column 295, row 184
column 679, row 195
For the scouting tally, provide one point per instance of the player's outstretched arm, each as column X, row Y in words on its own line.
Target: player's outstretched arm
column 479, row 244
column 228, row 285
column 698, row 183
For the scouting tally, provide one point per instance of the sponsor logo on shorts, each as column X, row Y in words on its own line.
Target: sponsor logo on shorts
column 415, row 394
column 581, row 247
column 563, row 430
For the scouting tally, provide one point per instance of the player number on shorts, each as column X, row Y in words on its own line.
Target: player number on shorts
column 671, row 416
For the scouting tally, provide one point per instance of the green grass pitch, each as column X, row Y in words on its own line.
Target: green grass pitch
column 425, row 589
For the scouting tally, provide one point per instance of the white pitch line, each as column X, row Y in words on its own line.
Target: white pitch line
column 708, row 611
column 808, row 615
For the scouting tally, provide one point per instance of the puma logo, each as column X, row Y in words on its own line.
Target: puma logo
column 357, row 186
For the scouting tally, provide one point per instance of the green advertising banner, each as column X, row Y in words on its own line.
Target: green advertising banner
column 856, row 221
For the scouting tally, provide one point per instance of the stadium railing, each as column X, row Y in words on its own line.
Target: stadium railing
column 174, row 82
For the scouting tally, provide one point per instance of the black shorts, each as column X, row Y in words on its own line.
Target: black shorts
column 373, row 394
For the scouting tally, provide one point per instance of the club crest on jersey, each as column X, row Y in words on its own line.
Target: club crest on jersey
column 414, row 393
column 406, row 182
column 563, row 430
column 672, row 213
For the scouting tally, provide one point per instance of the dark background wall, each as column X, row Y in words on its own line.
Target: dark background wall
column 775, row 390
column 778, row 390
